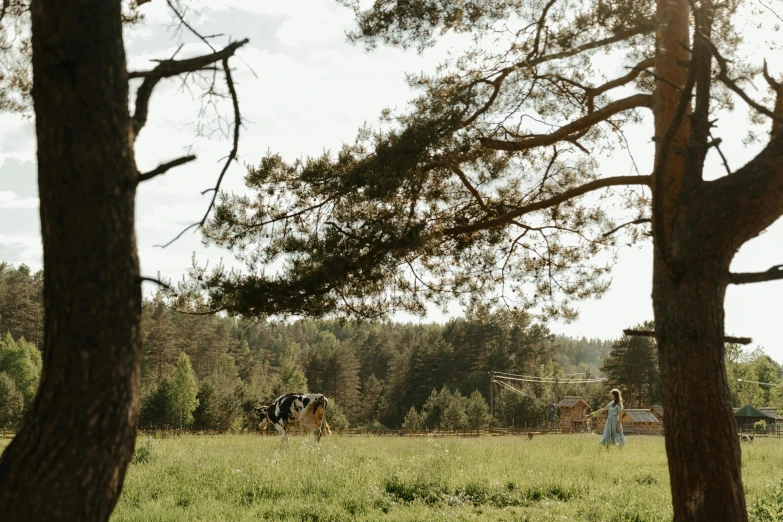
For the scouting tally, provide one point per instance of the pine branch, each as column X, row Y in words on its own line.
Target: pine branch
column 623, row 80
column 505, row 219
column 165, row 167
column 778, row 88
column 567, row 131
column 476, row 195
column 533, row 62
column 157, row 282
column 650, row 333
column 634, row 222
column 731, row 84
column 743, row 278
column 167, row 69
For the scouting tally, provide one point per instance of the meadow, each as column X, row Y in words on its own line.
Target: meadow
column 552, row 477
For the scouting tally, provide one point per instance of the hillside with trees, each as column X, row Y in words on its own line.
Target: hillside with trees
column 210, row 371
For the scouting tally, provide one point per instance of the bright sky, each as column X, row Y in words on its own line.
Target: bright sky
column 304, row 89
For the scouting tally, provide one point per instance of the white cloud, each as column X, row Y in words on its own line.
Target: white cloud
column 314, row 26
column 21, row 241
column 9, row 199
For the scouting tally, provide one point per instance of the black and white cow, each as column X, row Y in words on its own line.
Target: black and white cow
column 307, row 411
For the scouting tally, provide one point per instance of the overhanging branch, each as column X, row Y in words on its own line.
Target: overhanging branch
column 167, row 69
column 623, row 80
column 743, row 278
column 731, row 84
column 165, row 167
column 566, row 131
column 650, row 333
column 639, row 221
column 532, row 61
column 508, row 217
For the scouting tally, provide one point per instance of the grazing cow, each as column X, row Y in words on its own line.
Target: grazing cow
column 746, row 438
column 296, row 410
column 530, row 436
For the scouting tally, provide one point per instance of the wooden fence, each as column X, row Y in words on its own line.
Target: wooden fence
column 773, row 431
column 165, row 433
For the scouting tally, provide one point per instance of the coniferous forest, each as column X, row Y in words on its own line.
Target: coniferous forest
column 209, row 372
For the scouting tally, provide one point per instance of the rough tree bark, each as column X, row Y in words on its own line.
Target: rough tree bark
column 698, row 227
column 69, row 460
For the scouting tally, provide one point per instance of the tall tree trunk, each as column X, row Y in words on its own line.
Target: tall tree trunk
column 69, row 460
column 690, row 275
column 701, row 443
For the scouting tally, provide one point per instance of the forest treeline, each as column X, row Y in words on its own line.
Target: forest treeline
column 209, row 372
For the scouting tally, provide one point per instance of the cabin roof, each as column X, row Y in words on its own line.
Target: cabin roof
column 640, row 415
column 770, row 411
column 569, row 401
column 750, row 411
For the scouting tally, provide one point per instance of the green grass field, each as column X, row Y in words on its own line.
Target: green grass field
column 554, row 477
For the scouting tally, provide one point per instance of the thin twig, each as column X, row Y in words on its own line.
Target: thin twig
column 181, row 17
column 231, row 156
column 716, row 143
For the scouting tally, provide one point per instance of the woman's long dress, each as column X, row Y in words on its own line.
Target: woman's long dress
column 611, row 436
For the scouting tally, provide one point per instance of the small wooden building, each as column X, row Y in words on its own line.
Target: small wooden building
column 772, row 413
column 573, row 410
column 632, row 420
column 747, row 416
column 640, row 419
column 657, row 410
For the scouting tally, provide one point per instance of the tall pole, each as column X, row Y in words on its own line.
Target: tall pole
column 491, row 399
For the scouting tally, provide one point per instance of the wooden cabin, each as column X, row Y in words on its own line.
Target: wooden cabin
column 657, row 410
column 573, row 410
column 640, row 419
column 747, row 416
column 632, row 420
column 772, row 413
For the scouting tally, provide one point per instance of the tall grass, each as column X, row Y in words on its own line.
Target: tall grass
column 491, row 478
column 554, row 477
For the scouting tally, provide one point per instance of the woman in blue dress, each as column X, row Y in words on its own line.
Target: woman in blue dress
column 613, row 431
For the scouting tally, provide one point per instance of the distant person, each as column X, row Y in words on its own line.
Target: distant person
column 613, row 431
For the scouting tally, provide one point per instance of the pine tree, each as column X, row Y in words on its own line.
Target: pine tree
column 206, row 414
column 632, row 366
column 184, row 391
column 413, row 420
column 157, row 408
column 158, row 349
column 477, row 411
column 372, row 396
column 11, row 402
column 21, row 361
